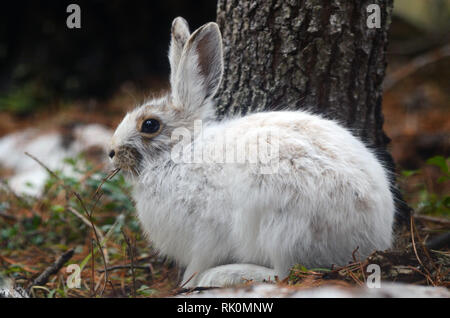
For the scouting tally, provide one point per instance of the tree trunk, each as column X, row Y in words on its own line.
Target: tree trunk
column 318, row 55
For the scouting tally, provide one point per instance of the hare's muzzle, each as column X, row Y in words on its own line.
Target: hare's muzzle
column 127, row 158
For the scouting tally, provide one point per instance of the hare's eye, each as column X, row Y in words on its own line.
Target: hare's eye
column 150, row 126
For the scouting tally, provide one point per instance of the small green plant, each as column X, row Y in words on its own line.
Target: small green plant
column 57, row 221
column 25, row 99
column 49, row 219
column 426, row 200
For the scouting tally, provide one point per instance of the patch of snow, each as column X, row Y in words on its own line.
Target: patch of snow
column 7, row 289
column 387, row 290
column 28, row 176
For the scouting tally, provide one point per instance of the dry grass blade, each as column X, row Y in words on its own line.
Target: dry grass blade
column 125, row 266
column 412, row 227
column 42, row 165
column 131, row 255
column 189, row 279
column 92, row 269
column 356, row 279
column 85, row 209
column 361, row 267
column 88, row 223
column 108, row 177
column 98, row 283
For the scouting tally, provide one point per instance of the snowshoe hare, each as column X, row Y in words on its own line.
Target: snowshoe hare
column 322, row 194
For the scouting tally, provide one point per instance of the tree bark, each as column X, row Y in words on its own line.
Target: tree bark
column 309, row 54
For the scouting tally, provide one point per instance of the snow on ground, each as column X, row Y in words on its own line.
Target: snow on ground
column 51, row 148
column 387, row 290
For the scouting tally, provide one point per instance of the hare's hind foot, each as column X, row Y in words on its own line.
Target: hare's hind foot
column 232, row 274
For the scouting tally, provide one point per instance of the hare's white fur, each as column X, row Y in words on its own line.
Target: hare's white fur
column 329, row 195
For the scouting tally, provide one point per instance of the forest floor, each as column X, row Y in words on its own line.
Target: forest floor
column 36, row 232
column 72, row 214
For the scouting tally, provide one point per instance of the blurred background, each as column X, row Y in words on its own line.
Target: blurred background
column 63, row 91
column 119, row 41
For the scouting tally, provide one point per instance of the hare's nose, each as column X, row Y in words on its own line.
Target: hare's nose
column 112, row 154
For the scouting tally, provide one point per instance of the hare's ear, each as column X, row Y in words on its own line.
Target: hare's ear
column 201, row 68
column 179, row 36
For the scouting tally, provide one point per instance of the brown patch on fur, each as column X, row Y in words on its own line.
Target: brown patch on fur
column 326, row 151
column 174, row 107
column 361, row 203
column 128, row 159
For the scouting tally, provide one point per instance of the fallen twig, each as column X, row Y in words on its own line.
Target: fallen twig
column 191, row 290
column 43, row 278
column 125, row 266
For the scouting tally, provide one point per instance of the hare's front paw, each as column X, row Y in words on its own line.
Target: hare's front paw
column 234, row 274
